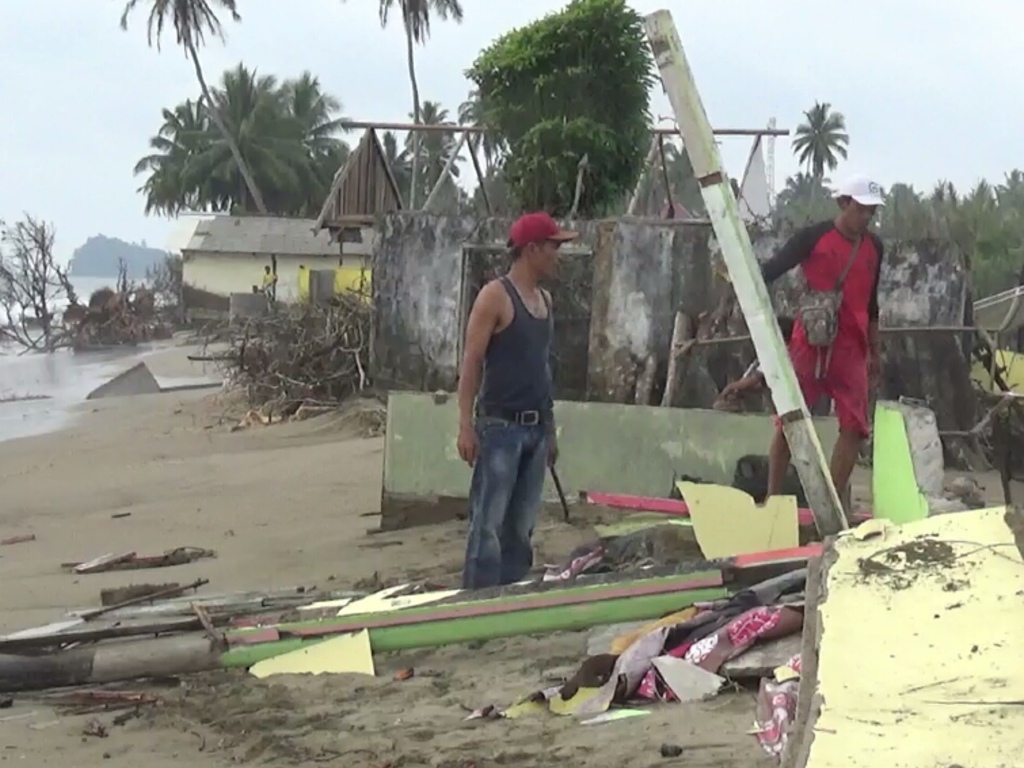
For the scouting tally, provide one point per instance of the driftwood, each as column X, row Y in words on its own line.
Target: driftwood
column 313, row 355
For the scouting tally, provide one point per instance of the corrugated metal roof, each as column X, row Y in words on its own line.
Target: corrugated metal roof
column 261, row 235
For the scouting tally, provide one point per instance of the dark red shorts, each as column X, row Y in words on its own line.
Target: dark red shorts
column 844, row 382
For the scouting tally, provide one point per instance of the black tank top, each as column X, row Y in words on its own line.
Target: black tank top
column 517, row 373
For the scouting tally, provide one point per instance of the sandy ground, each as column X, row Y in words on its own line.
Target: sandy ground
column 285, row 506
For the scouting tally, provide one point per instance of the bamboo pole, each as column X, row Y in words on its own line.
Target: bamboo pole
column 477, row 622
column 744, row 271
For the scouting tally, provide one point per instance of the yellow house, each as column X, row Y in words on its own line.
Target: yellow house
column 355, row 278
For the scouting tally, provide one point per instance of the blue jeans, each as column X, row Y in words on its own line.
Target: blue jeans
column 504, row 498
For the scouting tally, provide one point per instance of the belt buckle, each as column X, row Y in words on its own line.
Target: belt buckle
column 528, row 418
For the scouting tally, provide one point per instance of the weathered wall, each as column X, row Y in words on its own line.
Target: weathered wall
column 428, row 269
column 640, row 272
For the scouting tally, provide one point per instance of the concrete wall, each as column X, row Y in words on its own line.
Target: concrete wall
column 426, row 272
column 222, row 274
column 640, row 272
column 603, row 447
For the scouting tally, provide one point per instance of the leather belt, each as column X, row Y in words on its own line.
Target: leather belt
column 522, row 418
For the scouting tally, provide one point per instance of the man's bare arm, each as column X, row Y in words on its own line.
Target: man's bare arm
column 483, row 319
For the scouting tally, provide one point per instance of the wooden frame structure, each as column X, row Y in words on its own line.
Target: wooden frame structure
column 364, row 186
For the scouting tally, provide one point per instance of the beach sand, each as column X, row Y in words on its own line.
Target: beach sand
column 285, row 506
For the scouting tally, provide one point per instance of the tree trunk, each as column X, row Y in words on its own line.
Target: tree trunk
column 215, row 115
column 411, row 60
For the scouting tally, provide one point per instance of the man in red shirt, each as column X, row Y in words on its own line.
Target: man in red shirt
column 846, row 253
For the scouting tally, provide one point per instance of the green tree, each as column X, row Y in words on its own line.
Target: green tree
column 574, row 84
column 416, row 17
column 192, row 21
column 821, row 140
column 285, row 132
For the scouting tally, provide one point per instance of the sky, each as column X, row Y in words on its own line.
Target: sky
column 928, row 89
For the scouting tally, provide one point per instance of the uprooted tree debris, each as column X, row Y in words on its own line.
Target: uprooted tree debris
column 307, row 357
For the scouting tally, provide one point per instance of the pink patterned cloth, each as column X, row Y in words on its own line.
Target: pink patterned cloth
column 776, row 710
column 727, row 643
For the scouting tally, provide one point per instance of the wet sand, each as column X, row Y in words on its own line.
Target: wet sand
column 286, row 506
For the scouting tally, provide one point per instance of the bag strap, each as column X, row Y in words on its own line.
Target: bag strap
column 849, row 264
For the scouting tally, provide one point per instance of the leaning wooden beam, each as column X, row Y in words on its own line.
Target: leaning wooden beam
column 564, row 609
column 445, row 172
column 453, row 127
column 744, row 271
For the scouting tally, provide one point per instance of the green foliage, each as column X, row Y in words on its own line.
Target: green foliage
column 576, row 83
column 287, row 133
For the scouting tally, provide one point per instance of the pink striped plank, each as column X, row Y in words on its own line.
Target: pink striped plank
column 673, row 507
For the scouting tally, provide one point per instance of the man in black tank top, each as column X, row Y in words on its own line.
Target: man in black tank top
column 506, row 423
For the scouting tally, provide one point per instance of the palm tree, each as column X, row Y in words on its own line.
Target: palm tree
column 168, row 189
column 317, row 119
column 285, row 133
column 821, row 140
column 431, row 153
column 397, row 159
column 471, row 112
column 257, row 125
column 192, row 21
column 416, row 16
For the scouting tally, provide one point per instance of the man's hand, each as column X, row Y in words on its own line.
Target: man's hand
column 468, row 444
column 552, row 449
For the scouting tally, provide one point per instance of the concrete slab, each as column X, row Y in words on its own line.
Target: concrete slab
column 916, row 645
column 137, row 380
column 603, row 447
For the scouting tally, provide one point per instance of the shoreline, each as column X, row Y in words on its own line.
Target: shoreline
column 48, row 392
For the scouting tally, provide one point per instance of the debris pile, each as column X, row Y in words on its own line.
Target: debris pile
column 310, row 355
column 114, row 317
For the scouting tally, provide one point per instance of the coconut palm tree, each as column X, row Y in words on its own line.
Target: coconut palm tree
column 318, row 121
column 397, row 159
column 471, row 112
column 431, row 153
column 416, row 17
column 821, row 140
column 193, row 20
column 168, row 188
column 284, row 133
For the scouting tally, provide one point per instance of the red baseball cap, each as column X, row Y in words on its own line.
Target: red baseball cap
column 537, row 228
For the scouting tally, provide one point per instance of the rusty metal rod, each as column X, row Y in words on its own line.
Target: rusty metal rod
column 454, row 128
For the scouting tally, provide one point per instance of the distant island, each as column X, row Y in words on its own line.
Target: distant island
column 100, row 256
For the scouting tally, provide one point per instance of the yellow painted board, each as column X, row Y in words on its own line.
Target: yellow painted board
column 386, row 601
column 912, row 669
column 345, row 653
column 895, row 494
column 727, row 522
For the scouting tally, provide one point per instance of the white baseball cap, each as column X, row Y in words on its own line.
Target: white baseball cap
column 862, row 189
